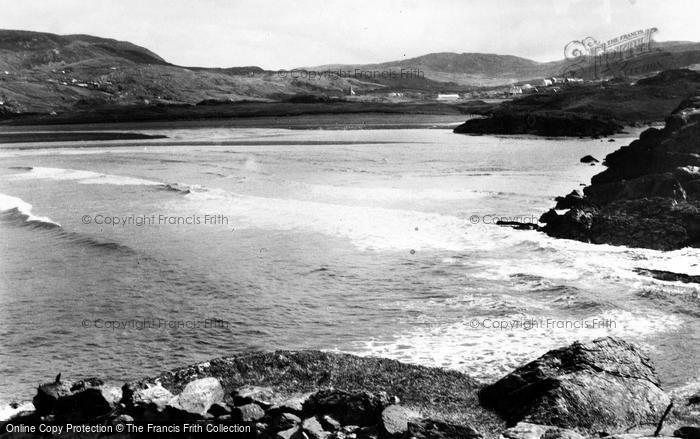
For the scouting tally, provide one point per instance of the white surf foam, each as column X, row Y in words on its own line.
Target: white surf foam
column 487, row 352
column 7, row 411
column 80, row 176
column 366, row 227
column 8, row 203
column 392, row 194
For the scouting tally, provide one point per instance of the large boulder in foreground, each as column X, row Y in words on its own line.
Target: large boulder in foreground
column 604, row 385
column 76, row 400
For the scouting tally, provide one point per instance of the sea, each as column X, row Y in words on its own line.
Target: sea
column 123, row 259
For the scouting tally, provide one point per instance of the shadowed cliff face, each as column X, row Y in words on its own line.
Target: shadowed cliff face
column 650, row 194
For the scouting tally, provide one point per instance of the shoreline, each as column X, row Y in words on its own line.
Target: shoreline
column 381, row 398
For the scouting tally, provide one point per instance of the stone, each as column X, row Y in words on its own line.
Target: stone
column 434, row 429
column 360, row 408
column 198, row 396
column 589, row 159
column 526, row 430
column 156, row 396
column 688, row 432
column 395, row 419
column 248, row 413
column 329, row 423
column 574, row 199
column 606, row 384
column 291, row 404
column 262, row 396
column 219, row 409
column 284, row 421
column 286, row 434
column 649, row 195
column 123, row 419
column 313, row 429
column 76, row 400
column 367, row 432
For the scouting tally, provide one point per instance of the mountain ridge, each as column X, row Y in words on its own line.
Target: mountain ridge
column 42, row 72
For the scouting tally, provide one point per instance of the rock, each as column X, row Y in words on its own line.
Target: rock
column 155, row 396
column 286, row 434
column 123, row 419
column 649, row 195
column 688, row 432
column 291, row 404
column 348, row 429
column 219, row 409
column 262, row 396
column 76, row 400
column 694, row 399
column 260, row 429
column 669, row 276
column 589, row 159
column 525, row 430
column 360, row 408
column 395, row 419
column 518, row 225
column 198, row 396
column 542, row 123
column 367, row 432
column 433, row 429
column 313, row 429
column 574, row 199
column 329, row 423
column 284, row 421
column 248, row 413
column 607, row 384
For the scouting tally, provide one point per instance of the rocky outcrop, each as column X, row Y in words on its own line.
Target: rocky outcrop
column 605, row 385
column 648, row 197
column 541, row 123
column 286, row 395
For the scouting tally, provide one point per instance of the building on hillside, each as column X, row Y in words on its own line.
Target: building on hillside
column 515, row 90
column 447, row 96
column 546, row 82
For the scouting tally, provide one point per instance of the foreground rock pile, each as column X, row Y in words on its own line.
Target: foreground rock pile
column 648, row 197
column 605, row 387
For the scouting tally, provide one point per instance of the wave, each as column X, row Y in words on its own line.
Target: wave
column 393, row 194
column 80, row 176
column 16, row 210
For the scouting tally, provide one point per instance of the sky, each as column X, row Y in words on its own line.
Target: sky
column 296, row 33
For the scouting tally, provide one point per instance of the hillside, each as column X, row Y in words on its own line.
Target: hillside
column 483, row 69
column 41, row 72
column 44, row 73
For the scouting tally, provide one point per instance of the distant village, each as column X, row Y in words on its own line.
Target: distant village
column 543, row 86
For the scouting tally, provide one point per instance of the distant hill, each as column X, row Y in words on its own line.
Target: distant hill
column 485, row 69
column 43, row 72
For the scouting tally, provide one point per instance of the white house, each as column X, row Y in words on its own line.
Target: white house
column 447, row 97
